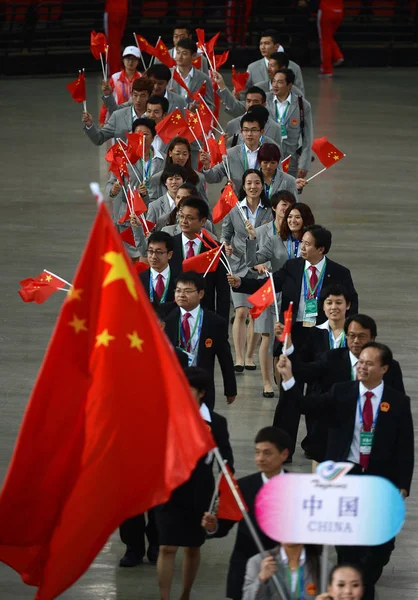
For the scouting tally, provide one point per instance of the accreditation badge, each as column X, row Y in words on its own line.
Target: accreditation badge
column 366, row 441
column 283, row 131
column 311, row 308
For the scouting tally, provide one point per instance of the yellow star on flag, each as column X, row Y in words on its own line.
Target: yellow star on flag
column 104, row 338
column 74, row 294
column 336, row 157
column 119, row 270
column 135, row 340
column 78, row 324
column 48, row 278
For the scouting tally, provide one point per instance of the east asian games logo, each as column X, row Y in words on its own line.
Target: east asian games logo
column 330, row 471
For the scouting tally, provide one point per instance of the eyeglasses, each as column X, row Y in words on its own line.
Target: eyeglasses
column 185, row 291
column 156, row 252
column 360, row 336
column 187, row 218
column 253, row 130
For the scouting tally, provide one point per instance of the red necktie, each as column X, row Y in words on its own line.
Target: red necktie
column 313, row 281
column 367, row 425
column 186, row 328
column 190, row 251
column 159, row 287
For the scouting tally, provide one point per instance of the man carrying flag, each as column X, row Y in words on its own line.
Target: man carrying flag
column 272, row 446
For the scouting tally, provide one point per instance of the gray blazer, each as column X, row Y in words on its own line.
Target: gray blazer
column 197, row 81
column 235, row 234
column 266, row 248
column 236, row 166
column 292, row 123
column 271, row 130
column 253, row 589
column 157, row 189
column 284, row 181
column 158, row 208
column 117, row 126
column 174, row 101
column 258, row 72
column 234, row 107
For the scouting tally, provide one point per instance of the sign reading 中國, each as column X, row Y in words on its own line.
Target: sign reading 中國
column 329, row 507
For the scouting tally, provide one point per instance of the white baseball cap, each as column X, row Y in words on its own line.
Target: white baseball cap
column 131, row 50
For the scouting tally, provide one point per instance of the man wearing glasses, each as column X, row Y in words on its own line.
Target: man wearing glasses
column 192, row 217
column 158, row 280
column 201, row 334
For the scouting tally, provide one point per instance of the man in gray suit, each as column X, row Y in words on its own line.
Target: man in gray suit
column 234, row 107
column 182, row 32
column 186, row 52
column 121, row 121
column 280, row 60
column 293, row 114
column 272, row 131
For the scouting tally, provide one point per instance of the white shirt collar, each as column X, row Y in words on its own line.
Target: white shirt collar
column 188, row 76
column 288, row 99
column 156, row 153
column 318, row 266
column 324, row 325
column 165, row 273
column 193, row 312
column 171, row 201
column 353, row 359
column 186, row 241
column 205, row 413
column 265, row 479
column 377, row 391
column 245, row 203
column 251, row 151
column 285, row 560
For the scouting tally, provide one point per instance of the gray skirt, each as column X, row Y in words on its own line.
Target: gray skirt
column 240, row 299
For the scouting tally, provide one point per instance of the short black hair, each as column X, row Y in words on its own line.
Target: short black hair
column 190, row 188
column 187, row 44
column 322, row 236
column 274, row 435
column 259, row 110
column 145, row 122
column 192, row 277
column 172, row 169
column 159, row 71
column 284, row 195
column 334, row 289
column 198, row 378
column 199, row 204
column 289, row 74
column 161, row 100
column 254, row 89
column 161, row 237
column 386, row 356
column 365, row 321
column 250, row 118
column 281, row 58
column 270, row 33
column 182, row 26
column 242, row 193
column 346, row 565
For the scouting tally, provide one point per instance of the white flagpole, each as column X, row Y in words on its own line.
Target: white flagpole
column 127, row 158
column 103, row 69
column 214, row 258
column 144, row 222
column 207, row 56
column 215, row 493
column 226, row 163
column 324, row 569
column 128, row 201
column 106, row 61
column 58, row 277
column 140, row 53
column 226, row 263
column 316, row 174
column 203, row 100
column 276, row 306
column 84, row 101
column 285, row 159
column 247, row 519
column 194, row 135
column 203, row 132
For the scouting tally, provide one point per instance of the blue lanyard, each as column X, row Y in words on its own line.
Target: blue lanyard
column 151, row 288
column 343, row 342
column 268, row 187
column 360, row 414
column 198, row 324
column 290, row 242
column 319, row 285
column 296, row 595
column 146, row 168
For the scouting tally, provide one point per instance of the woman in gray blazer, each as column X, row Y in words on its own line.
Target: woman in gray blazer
column 256, row 208
column 296, row 567
column 275, row 180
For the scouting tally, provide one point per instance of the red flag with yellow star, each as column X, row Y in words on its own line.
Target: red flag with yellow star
column 239, row 80
column 161, row 52
column 286, row 164
column 172, row 125
column 202, row 261
column 326, row 152
column 228, row 507
column 261, row 299
column 40, row 288
column 226, row 202
column 93, row 449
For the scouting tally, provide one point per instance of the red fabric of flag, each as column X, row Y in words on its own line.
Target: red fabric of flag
column 261, row 299
column 135, row 146
column 215, row 154
column 205, row 117
column 226, row 202
column 127, row 236
column 210, row 46
column 201, row 262
column 150, row 225
column 288, row 318
column 286, row 164
column 98, row 43
column 83, row 461
column 144, row 45
column 177, row 77
column 174, row 124
column 200, row 33
column 220, row 59
column 140, row 267
column 161, row 52
column 239, row 80
column 326, row 152
column 222, row 144
column 77, row 88
column 201, row 91
column 228, row 507
column 40, row 288
column 197, row 62
column 138, row 205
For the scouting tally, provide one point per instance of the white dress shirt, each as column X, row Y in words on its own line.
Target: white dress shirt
column 171, row 201
column 187, row 80
column 252, row 156
column 252, row 216
column 294, row 574
column 154, row 275
column 185, row 241
column 205, row 413
column 354, row 454
column 281, row 106
column 301, row 308
column 194, row 332
column 336, row 342
column 353, row 361
column 265, row 479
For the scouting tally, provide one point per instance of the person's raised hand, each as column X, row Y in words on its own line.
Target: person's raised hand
column 193, row 106
column 209, row 521
column 250, row 230
column 116, row 188
column 300, row 183
column 228, row 249
column 218, row 79
column 278, row 329
column 135, row 222
column 268, row 569
column 142, row 189
column 284, row 368
column 87, row 119
column 205, row 159
column 106, row 88
column 233, row 280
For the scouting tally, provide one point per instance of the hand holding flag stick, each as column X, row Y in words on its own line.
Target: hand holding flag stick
column 121, row 144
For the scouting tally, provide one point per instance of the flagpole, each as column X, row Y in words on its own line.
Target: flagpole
column 194, row 135
column 84, row 101
column 106, row 61
column 140, row 53
column 203, row 132
column 285, row 159
column 203, row 100
column 214, row 258
column 128, row 201
column 324, row 569
column 58, row 277
column 120, row 142
column 316, row 174
column 103, row 71
column 247, row 519
column 227, row 169
column 226, row 263
column 207, row 56
column 215, row 493
column 144, row 222
column 96, row 191
column 276, row 306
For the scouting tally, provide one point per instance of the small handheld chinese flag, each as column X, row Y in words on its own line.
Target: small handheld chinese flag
column 228, row 507
column 200, row 33
column 161, row 52
column 98, row 43
column 144, row 45
column 286, row 164
column 172, row 125
column 140, row 267
column 179, row 79
column 201, row 262
column 239, row 80
column 261, row 299
column 136, row 205
column 214, row 150
column 127, row 236
column 222, row 144
column 220, row 59
column 77, row 88
column 210, row 45
column 226, row 203
column 200, row 92
column 40, row 288
column 135, row 146
column 288, row 318
column 326, row 152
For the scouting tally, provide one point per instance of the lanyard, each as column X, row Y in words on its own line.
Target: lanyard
column 342, row 344
column 290, row 243
column 245, row 158
column 299, row 593
column 151, row 289
column 268, row 186
column 282, row 118
column 360, row 414
column 314, row 293
column 275, row 232
column 146, row 168
column 198, row 323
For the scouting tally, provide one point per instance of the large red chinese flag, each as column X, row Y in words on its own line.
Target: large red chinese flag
column 201, row 262
column 93, row 449
column 261, row 299
column 161, row 52
column 98, row 43
column 77, row 88
column 239, row 80
column 228, row 507
column 226, row 202
column 326, row 152
column 172, row 125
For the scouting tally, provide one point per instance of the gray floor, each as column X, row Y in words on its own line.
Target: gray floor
column 368, row 201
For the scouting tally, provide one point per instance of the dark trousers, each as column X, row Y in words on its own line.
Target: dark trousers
column 133, row 531
column 371, row 559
